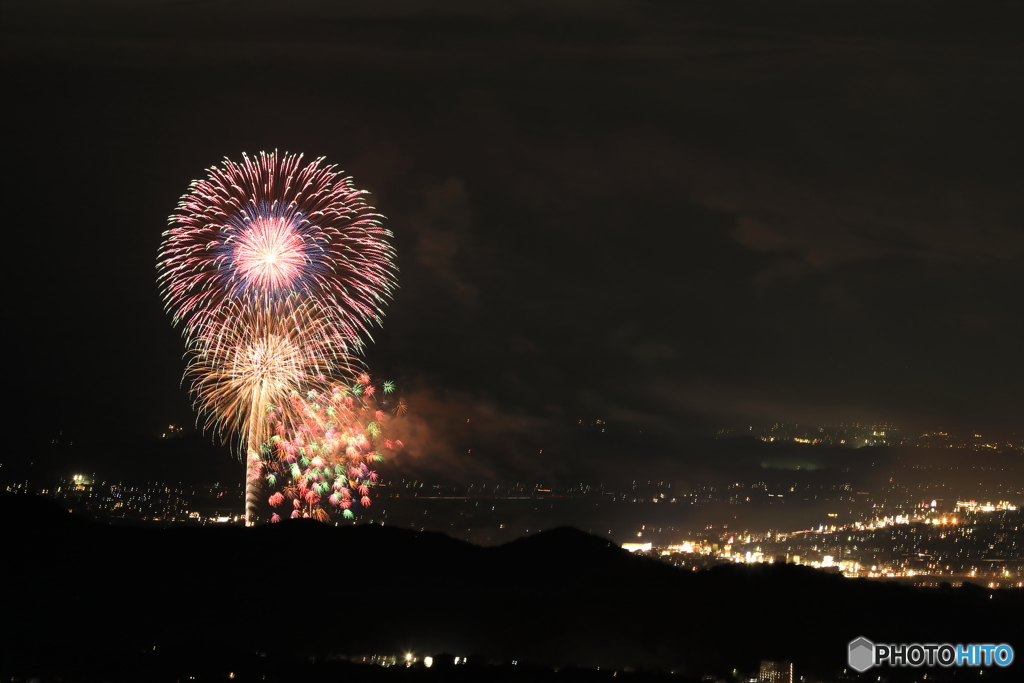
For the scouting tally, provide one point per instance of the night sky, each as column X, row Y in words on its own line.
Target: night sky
column 673, row 216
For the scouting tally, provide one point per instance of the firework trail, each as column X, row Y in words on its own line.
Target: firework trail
column 274, row 270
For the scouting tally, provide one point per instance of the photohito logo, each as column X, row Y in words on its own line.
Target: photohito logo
column 863, row 654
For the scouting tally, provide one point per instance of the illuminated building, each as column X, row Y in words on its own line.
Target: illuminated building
column 776, row 672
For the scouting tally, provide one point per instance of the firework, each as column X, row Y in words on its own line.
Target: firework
column 274, row 269
column 252, row 359
column 269, row 228
column 323, row 448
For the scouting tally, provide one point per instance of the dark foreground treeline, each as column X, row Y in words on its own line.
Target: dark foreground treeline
column 87, row 601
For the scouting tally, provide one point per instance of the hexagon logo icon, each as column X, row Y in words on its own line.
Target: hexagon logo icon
column 861, row 656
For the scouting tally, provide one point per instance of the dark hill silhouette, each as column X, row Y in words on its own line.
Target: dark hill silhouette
column 88, row 595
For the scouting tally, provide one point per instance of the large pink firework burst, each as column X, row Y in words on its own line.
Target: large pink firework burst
column 272, row 227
